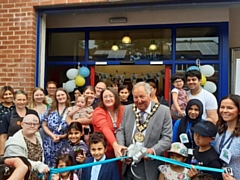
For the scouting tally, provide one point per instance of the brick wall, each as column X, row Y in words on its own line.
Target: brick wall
column 18, row 40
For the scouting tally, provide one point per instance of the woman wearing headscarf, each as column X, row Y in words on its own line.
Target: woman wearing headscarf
column 181, row 129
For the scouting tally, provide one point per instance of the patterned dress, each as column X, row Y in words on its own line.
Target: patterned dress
column 57, row 126
column 4, row 110
column 34, row 154
column 169, row 174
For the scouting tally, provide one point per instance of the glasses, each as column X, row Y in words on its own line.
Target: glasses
column 110, row 97
column 31, row 124
column 100, row 88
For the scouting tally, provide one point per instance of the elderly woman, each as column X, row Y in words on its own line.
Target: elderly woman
column 27, row 142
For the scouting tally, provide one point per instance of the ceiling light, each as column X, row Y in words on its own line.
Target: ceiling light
column 126, row 39
column 114, row 47
column 152, row 46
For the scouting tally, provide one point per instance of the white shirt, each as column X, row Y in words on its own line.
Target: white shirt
column 208, row 100
column 96, row 169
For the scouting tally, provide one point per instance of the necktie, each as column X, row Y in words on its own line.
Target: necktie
column 142, row 119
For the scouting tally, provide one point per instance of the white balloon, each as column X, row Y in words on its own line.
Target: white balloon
column 207, row 70
column 72, row 73
column 210, row 86
column 70, row 85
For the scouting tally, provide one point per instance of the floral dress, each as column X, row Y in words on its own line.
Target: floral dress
column 57, row 126
column 169, row 174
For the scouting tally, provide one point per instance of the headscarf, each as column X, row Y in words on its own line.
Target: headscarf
column 186, row 119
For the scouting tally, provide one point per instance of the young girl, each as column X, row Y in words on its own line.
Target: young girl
column 179, row 96
column 177, row 152
column 123, row 92
column 63, row 161
column 75, row 147
column 81, row 110
column 74, row 143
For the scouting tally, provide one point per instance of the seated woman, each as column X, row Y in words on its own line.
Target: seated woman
column 27, row 142
column 11, row 122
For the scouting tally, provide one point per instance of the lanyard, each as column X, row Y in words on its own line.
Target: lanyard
column 114, row 120
column 61, row 116
column 222, row 143
column 191, row 137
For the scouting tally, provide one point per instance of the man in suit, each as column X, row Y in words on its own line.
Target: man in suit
column 150, row 125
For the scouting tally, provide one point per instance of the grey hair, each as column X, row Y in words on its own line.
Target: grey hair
column 146, row 86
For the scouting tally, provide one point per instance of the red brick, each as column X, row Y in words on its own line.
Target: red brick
column 7, row 33
column 13, row 37
column 15, row 47
column 13, row 28
column 13, row 74
column 7, row 24
column 60, row 1
column 3, row 56
column 3, row 65
column 3, row 38
column 19, row 51
column 7, row 51
column 3, row 10
column 3, row 1
column 6, row 79
column 13, row 56
column 14, row 10
column 20, row 32
column 7, row 42
column 12, row 65
column 2, row 19
column 19, row 42
column 7, row 15
column 17, row 5
column 8, row 6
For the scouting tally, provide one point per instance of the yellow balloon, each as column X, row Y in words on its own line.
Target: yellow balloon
column 204, row 80
column 80, row 81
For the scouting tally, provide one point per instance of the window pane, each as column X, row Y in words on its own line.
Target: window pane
column 65, row 46
column 101, row 42
column 197, row 43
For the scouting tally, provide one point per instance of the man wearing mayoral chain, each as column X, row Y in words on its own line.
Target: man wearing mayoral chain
column 148, row 124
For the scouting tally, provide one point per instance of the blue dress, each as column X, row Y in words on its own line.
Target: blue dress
column 57, row 127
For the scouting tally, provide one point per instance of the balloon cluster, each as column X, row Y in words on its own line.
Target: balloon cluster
column 76, row 78
column 206, row 71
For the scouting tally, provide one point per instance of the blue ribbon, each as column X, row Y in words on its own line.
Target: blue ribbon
column 189, row 166
column 164, row 159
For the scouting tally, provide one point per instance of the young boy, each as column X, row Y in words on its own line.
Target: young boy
column 98, row 147
column 204, row 154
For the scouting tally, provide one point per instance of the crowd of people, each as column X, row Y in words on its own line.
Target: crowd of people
column 101, row 122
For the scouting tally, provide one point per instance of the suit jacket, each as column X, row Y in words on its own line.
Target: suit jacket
column 108, row 171
column 158, row 135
